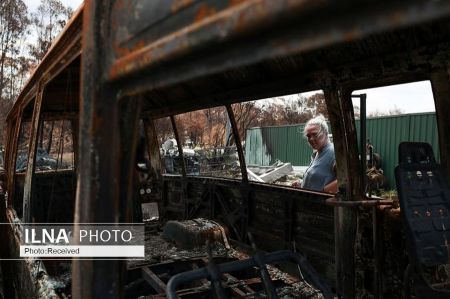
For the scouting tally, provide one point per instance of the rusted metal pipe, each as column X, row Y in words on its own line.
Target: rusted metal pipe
column 333, row 201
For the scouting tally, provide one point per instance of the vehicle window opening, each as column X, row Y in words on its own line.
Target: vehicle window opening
column 208, row 144
column 54, row 184
column 395, row 113
column 276, row 144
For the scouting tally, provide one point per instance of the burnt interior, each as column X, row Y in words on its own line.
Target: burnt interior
column 277, row 217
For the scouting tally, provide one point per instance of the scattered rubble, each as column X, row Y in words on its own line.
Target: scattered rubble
column 162, row 253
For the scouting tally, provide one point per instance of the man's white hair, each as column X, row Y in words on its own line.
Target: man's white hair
column 320, row 121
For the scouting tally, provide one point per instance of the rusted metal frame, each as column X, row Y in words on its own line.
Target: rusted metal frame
column 12, row 157
column 49, row 75
column 21, row 103
column 254, row 16
column 129, row 117
column 440, row 84
column 367, row 203
column 340, row 110
column 179, row 145
column 155, row 159
column 153, row 148
column 29, row 178
column 362, row 140
column 16, row 115
column 157, row 284
column 231, row 23
column 294, row 84
column 59, row 64
column 294, row 40
column 237, row 140
column 97, row 199
column 74, row 122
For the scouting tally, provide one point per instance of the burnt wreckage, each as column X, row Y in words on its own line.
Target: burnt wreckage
column 118, row 66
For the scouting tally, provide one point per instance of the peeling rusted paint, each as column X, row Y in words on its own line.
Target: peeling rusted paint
column 177, row 5
column 203, row 12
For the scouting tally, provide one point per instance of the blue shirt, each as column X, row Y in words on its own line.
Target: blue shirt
column 320, row 171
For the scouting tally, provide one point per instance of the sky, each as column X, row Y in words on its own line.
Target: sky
column 409, row 98
column 416, row 97
column 33, row 4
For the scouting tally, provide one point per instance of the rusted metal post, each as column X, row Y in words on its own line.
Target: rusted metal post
column 340, row 113
column 179, row 145
column 99, row 185
column 237, row 140
column 31, row 154
column 129, row 115
column 362, row 138
column 12, row 156
column 153, row 149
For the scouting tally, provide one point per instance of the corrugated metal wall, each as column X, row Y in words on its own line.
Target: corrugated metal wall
column 265, row 145
column 286, row 143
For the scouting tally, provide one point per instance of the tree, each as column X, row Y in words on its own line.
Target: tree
column 393, row 111
column 13, row 26
column 51, row 16
column 163, row 127
column 317, row 105
column 246, row 116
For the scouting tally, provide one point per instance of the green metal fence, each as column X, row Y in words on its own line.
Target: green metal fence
column 265, row 145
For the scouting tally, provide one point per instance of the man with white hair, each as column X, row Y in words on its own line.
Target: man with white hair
column 320, row 174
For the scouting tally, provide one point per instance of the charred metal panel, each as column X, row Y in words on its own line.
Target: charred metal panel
column 278, row 218
column 299, row 36
column 295, row 220
column 54, row 197
column 139, row 20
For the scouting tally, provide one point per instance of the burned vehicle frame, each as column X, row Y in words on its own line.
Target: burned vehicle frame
column 133, row 61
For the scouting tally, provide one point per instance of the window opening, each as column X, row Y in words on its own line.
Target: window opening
column 396, row 113
column 55, row 147
column 277, row 150
column 208, row 143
